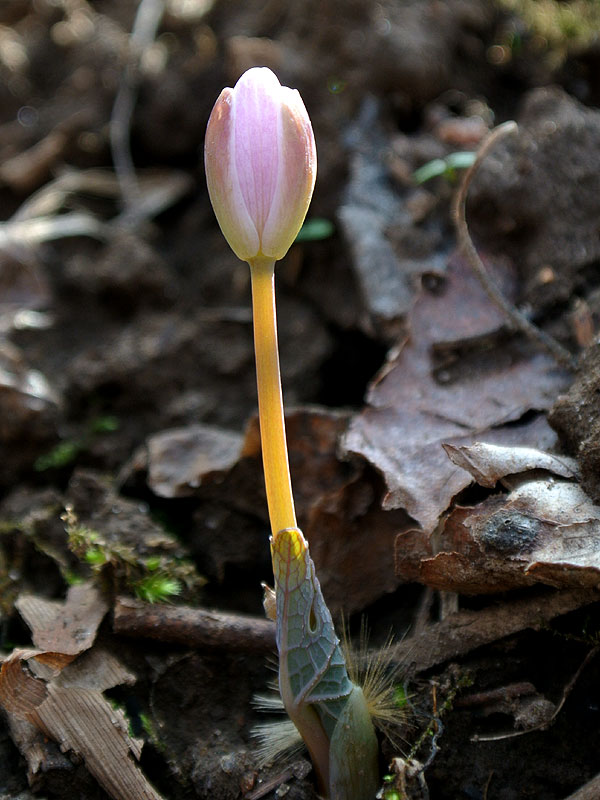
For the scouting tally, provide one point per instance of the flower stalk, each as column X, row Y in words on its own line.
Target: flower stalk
column 278, row 482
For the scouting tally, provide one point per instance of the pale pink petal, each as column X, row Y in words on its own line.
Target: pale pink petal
column 257, row 100
column 296, row 177
column 260, row 165
column 223, row 183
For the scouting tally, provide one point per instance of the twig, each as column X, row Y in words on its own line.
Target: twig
column 147, row 20
column 493, row 696
column 547, row 722
column 462, row 632
column 194, row 627
column 516, row 317
column 297, row 769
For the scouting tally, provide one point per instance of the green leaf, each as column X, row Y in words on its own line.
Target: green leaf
column 429, row 170
column 329, row 711
column 462, row 159
column 315, row 230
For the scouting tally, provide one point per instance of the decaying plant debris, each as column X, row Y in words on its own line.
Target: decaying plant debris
column 444, row 462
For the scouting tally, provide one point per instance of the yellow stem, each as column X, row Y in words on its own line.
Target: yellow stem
column 270, row 400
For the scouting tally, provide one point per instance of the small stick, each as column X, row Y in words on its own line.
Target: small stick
column 193, row 627
column 516, row 317
column 546, row 723
column 421, row 618
column 492, row 696
column 462, row 632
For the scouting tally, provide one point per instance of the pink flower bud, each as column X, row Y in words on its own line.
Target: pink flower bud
column 261, row 165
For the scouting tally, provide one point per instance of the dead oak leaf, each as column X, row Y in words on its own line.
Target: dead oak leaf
column 544, row 531
column 416, row 405
column 489, row 463
column 182, row 459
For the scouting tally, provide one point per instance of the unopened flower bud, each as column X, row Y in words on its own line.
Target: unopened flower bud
column 261, row 165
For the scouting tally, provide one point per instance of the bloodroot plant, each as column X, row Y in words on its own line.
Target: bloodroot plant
column 261, row 164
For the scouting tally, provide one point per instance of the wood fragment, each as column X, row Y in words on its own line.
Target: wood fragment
column 193, row 627
column 81, row 720
column 42, row 755
column 61, row 694
column 464, row 631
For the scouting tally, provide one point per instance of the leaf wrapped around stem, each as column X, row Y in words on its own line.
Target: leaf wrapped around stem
column 329, row 710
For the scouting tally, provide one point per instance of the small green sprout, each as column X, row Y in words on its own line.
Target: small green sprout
column 72, row 578
column 149, row 727
column 447, row 167
column 400, row 696
column 105, row 424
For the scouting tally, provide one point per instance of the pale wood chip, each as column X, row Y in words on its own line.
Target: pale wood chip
column 82, row 721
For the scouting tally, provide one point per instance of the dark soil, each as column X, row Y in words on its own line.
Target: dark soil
column 107, row 341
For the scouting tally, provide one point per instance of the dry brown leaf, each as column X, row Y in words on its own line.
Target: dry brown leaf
column 181, row 460
column 489, row 463
column 544, row 531
column 64, row 627
column 416, row 405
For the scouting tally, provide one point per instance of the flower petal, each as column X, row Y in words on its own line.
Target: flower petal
column 296, row 177
column 223, row 181
column 257, row 99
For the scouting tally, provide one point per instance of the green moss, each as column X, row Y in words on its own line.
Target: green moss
column 65, row 453
column 157, row 578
